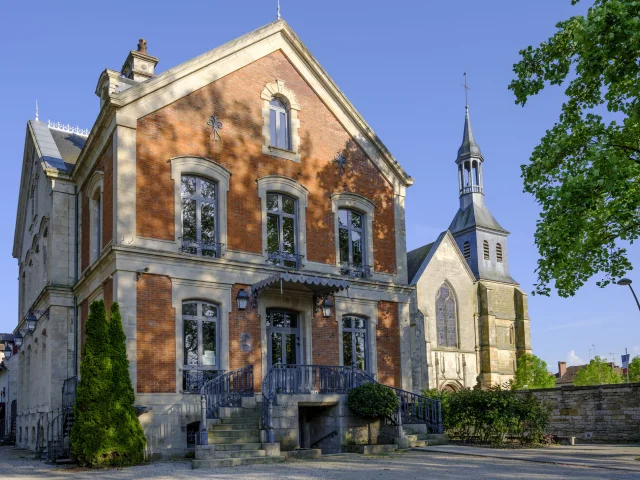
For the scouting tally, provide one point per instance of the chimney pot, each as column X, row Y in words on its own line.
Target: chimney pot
column 142, row 45
column 139, row 65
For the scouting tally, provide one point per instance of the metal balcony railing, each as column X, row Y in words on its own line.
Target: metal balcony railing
column 201, row 248
column 288, row 260
column 194, row 379
column 355, row 270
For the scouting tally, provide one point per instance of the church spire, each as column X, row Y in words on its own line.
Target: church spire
column 469, row 159
column 469, row 146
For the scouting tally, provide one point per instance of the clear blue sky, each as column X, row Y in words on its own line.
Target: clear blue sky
column 400, row 63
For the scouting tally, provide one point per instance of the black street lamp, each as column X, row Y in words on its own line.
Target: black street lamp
column 17, row 339
column 8, row 350
column 627, row 281
column 32, row 321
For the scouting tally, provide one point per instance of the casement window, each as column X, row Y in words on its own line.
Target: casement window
column 96, row 225
column 446, row 321
column 199, row 217
column 351, row 238
column 200, row 336
column 282, row 230
column 279, row 124
column 354, row 341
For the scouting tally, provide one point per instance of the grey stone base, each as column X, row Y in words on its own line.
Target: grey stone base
column 369, row 449
column 303, row 454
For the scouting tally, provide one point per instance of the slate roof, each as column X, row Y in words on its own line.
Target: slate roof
column 469, row 146
column 59, row 149
column 474, row 216
column 415, row 259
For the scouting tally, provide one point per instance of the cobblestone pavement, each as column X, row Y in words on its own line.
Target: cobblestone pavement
column 19, row 464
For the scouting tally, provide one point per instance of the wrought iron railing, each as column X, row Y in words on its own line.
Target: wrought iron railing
column 305, row 379
column 224, row 391
column 355, row 270
column 59, row 434
column 202, row 248
column 285, row 259
column 193, row 380
column 471, row 189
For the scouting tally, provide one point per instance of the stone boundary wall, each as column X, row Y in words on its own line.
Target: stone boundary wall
column 606, row 413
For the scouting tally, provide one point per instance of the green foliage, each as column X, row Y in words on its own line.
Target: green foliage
column 585, row 173
column 106, row 430
column 597, row 372
column 91, row 433
column 532, row 372
column 634, row 370
column 373, row 400
column 129, row 437
column 492, row 416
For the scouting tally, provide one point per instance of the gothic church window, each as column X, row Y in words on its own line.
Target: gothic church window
column 485, row 246
column 199, row 209
column 446, row 323
column 279, row 124
column 466, row 250
column 499, row 252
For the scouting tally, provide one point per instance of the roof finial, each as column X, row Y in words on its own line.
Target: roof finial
column 466, row 92
column 279, row 17
column 37, row 118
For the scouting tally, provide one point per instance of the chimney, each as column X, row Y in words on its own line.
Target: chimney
column 562, row 369
column 139, row 66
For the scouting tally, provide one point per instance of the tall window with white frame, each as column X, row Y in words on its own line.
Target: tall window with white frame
column 199, row 217
column 446, row 318
column 279, row 124
column 95, row 236
column 201, row 361
column 351, row 243
column 281, row 230
column 354, row 341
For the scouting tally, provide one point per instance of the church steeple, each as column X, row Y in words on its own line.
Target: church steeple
column 469, row 163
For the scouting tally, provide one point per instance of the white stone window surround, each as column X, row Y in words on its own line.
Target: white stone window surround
column 94, row 190
column 278, row 90
column 209, row 170
column 288, row 186
column 362, row 205
column 367, row 309
column 218, row 294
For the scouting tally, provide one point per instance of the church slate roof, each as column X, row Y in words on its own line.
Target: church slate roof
column 469, row 146
column 59, row 149
column 474, row 216
column 69, row 145
column 415, row 259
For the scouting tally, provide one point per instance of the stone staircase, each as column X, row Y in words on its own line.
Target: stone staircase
column 419, row 438
column 234, row 440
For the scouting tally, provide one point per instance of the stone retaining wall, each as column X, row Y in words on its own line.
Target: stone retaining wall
column 606, row 413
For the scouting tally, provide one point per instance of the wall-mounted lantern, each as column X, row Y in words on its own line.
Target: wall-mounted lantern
column 327, row 305
column 8, row 350
column 17, row 339
column 242, row 299
column 32, row 321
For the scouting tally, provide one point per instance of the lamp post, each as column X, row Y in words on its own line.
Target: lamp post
column 627, row 281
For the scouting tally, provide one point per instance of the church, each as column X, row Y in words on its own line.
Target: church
column 469, row 319
column 251, row 227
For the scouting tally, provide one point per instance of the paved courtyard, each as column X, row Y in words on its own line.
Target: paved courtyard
column 18, row 464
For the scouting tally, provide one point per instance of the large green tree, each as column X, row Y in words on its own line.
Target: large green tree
column 91, row 432
column 532, row 372
column 597, row 372
column 129, row 440
column 585, row 173
column 634, row 370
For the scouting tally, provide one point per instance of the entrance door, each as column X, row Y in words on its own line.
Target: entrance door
column 283, row 333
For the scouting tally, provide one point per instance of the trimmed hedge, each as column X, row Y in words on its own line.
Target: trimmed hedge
column 373, row 400
column 493, row 416
column 106, row 431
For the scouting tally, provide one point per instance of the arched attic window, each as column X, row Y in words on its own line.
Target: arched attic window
column 485, row 247
column 499, row 252
column 279, row 124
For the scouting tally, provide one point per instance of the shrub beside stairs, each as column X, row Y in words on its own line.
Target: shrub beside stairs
column 234, row 440
column 418, row 438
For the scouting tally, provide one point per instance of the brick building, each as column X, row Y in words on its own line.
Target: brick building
column 245, row 218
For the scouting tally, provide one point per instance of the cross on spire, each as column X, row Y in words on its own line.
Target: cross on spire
column 466, row 91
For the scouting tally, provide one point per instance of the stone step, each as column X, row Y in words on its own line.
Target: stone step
column 411, row 438
column 214, row 454
column 235, row 420
column 216, row 438
column 226, row 427
column 434, row 439
column 219, row 447
column 417, row 443
column 234, row 462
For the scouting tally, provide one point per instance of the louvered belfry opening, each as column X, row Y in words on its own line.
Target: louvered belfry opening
column 499, row 252
column 485, row 246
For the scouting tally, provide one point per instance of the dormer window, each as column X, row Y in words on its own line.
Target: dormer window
column 279, row 124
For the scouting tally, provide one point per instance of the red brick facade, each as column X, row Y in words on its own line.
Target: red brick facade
column 388, row 344
column 245, row 346
column 104, row 164
column 181, row 129
column 325, row 339
column 156, row 344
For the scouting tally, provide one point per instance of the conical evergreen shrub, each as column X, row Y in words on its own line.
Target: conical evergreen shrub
column 129, row 440
column 90, row 435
